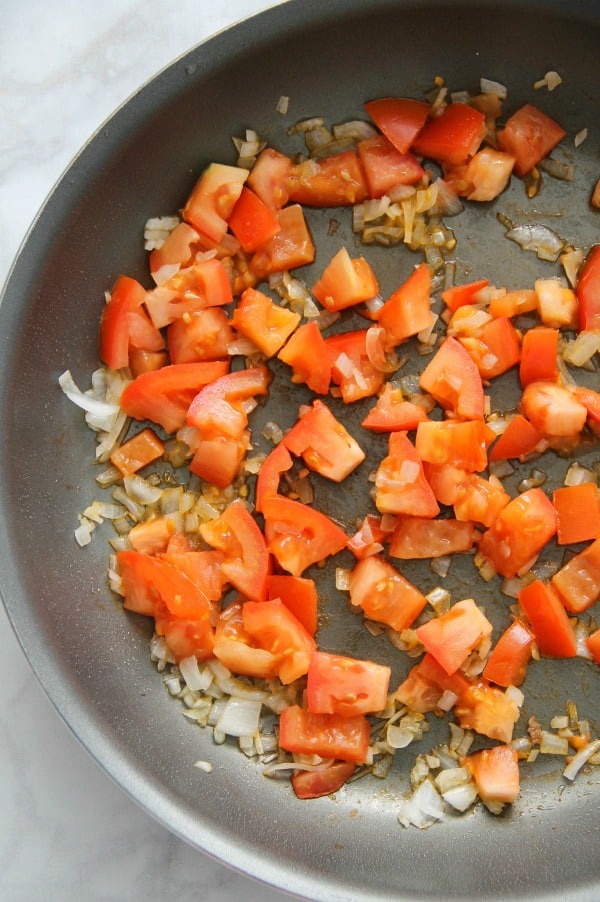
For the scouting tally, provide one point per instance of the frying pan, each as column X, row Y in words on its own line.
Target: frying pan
column 90, row 657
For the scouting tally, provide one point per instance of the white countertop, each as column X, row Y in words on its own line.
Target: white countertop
column 67, row 832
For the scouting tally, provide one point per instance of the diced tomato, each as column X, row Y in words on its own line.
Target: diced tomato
column 345, row 282
column 307, row 355
column 299, row 535
column 152, row 536
column 165, row 395
column 236, row 648
column 587, row 290
column 557, row 305
column 549, row 621
column 507, row 664
column 246, row 563
column 351, row 368
column 461, row 295
column 451, row 637
column 278, row 461
column 529, row 135
column 419, row 538
column 513, row 542
column 553, row 410
column 487, row 710
column 202, row 567
column 269, row 178
column 446, row 481
column 337, row 684
column 399, row 118
column 578, row 581
column 127, row 295
column 334, row 181
column 368, row 538
column 386, row 167
column 480, row 500
column 427, row 682
column 185, row 637
column 326, row 735
column 384, row 594
column 137, row 452
column 299, row 595
column 577, row 513
column 487, row 174
column 539, row 355
column 219, row 406
column 495, row 349
column 273, row 626
column 496, row 774
column 313, row 784
column 518, row 440
column 400, row 483
column 513, row 303
column 461, row 444
column 203, row 284
column 452, row 378
column 408, row 310
column 267, row 324
column 141, row 361
column 165, row 583
column 213, row 198
column 290, row 247
column 324, row 443
column 453, row 136
column 177, row 249
column 252, row 222
column 391, row 413
column 202, row 335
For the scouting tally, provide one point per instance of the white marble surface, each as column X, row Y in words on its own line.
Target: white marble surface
column 66, row 831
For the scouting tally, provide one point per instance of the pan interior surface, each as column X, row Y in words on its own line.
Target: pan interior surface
column 91, row 658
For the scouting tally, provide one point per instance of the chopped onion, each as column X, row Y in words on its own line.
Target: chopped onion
column 551, row 80
column 382, row 360
column 488, row 86
column 239, row 717
column 539, row 238
column 551, row 744
column 195, row 679
column 577, row 474
column 423, row 808
column 582, row 348
column 581, row 758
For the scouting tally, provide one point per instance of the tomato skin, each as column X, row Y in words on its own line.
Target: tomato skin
column 252, row 222
column 246, row 565
column 385, row 166
column 324, row 443
column 337, row 684
column 384, row 594
column 546, row 614
column 587, row 291
column 578, row 581
column 452, row 378
column 451, row 637
column 399, row 118
column 507, row 664
column 326, row 735
column 521, row 530
column 165, row 395
column 529, row 135
column 345, row 282
column 577, row 513
column 299, row 595
column 419, row 538
column 267, row 324
column 306, row 353
column 518, row 439
column 487, row 710
column 593, row 644
column 127, row 295
column 496, row 773
column 274, row 628
column 317, row 783
column 452, row 137
column 400, row 483
column 408, row 310
column 298, row 535
column 334, row 181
